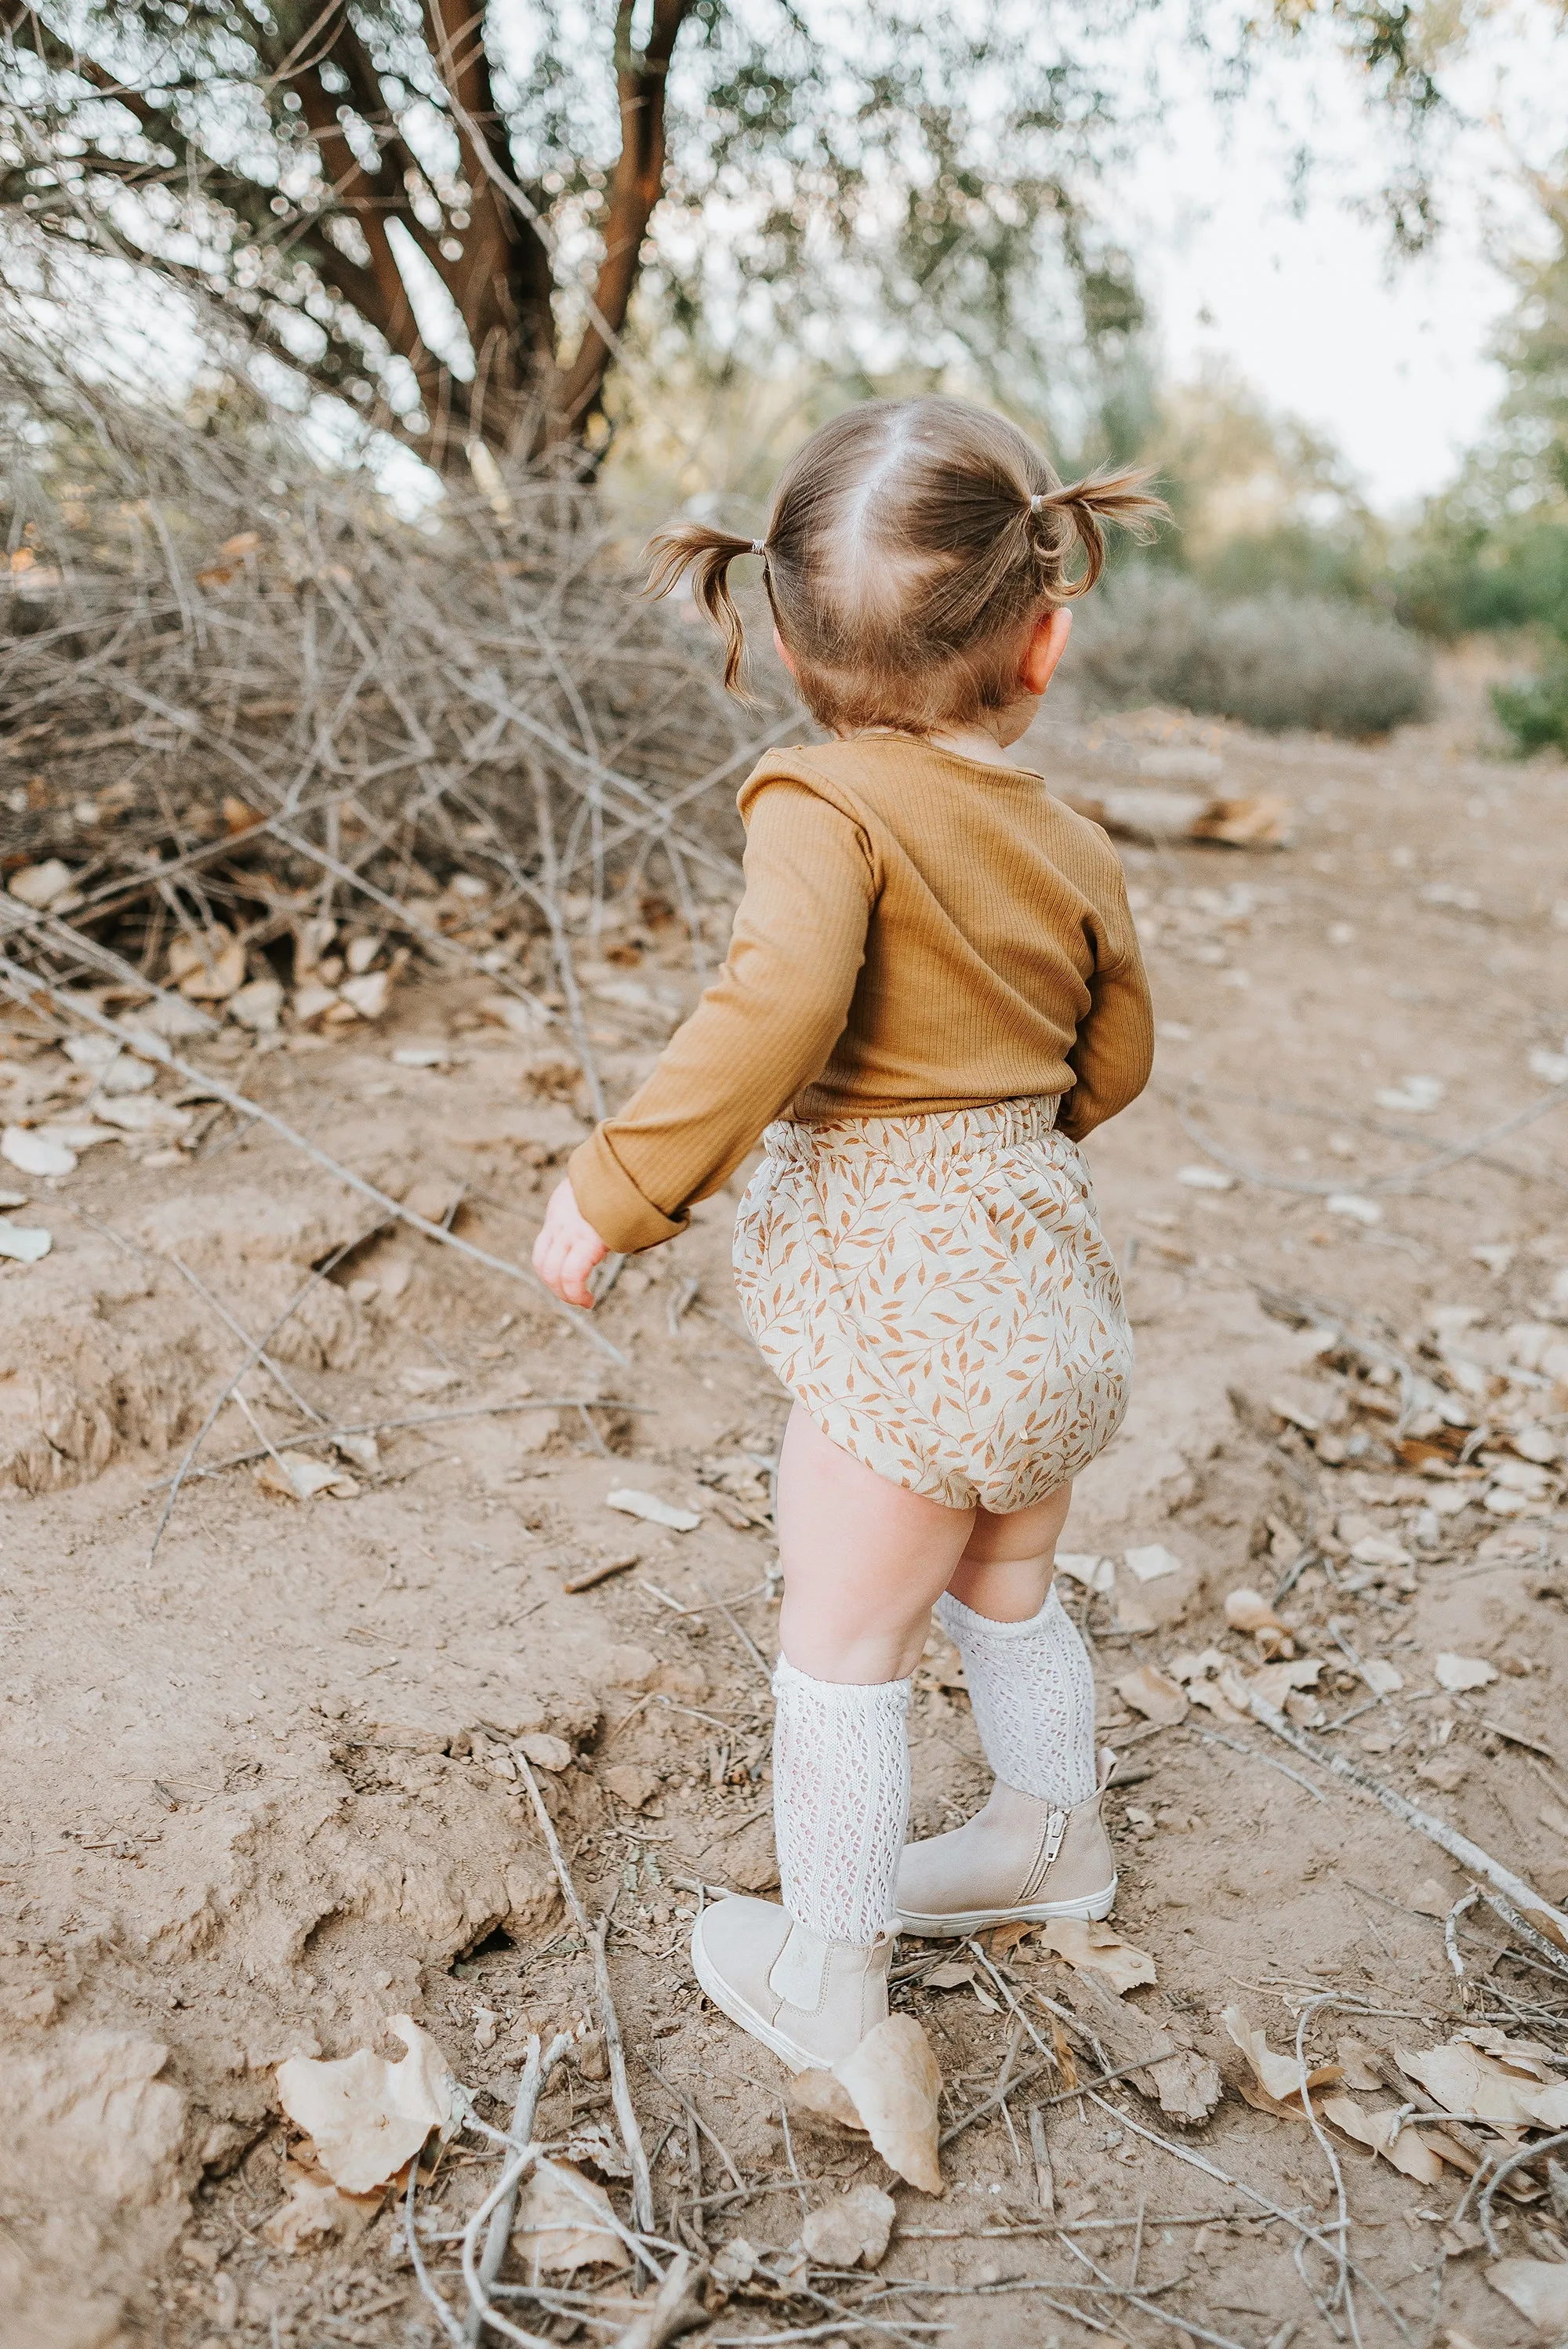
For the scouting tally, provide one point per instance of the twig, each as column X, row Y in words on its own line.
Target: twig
column 1312, row 1187
column 1545, row 1925
column 677, row 2307
column 308, row 1442
column 609, row 2020
column 1212, row 1737
column 500, row 2204
column 601, row 1573
column 750, row 1645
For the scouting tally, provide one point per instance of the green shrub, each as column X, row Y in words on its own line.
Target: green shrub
column 1274, row 661
column 1535, row 709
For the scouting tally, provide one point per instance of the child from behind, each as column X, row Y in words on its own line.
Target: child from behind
column 932, row 994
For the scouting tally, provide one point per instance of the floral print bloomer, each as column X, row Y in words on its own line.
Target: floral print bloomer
column 935, row 1291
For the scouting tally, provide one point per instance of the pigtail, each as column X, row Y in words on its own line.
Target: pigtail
column 1086, row 506
column 706, row 554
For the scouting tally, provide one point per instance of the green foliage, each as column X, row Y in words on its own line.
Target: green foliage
column 1535, row 710
column 1277, row 661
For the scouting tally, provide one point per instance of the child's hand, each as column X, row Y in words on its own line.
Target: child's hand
column 567, row 1249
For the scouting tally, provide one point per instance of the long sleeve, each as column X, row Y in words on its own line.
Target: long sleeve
column 765, row 1028
column 1114, row 1051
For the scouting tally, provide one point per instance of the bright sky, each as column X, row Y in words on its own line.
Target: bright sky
column 1388, row 358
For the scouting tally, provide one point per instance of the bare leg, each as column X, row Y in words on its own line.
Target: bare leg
column 1006, row 1567
column 864, row 1561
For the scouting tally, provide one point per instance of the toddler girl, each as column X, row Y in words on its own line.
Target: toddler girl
column 933, row 992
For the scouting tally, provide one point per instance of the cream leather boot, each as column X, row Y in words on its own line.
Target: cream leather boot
column 1017, row 1860
column 811, row 2002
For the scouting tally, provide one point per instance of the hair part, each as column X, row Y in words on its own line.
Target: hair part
column 912, row 546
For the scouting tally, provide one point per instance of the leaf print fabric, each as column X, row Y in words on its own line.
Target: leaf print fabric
column 936, row 1292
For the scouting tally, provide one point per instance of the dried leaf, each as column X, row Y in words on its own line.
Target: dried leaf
column 311, row 2213
column 820, row 2097
column 143, row 1113
column 1154, row 1694
column 1099, row 1950
column 1526, row 2055
column 595, row 2143
column 211, row 971
column 32, row 1154
column 1273, row 1682
column 1151, row 1563
column 1382, row 2132
column 1248, row 1611
column 556, row 2212
column 893, row 2080
column 1463, row 1672
column 655, row 1512
column 23, row 1243
column 43, row 886
column 1188, row 2086
column 1279, row 2076
column 1356, row 2064
column 1465, row 2081
column 735, row 2262
column 259, row 1005
column 368, row 994
column 1537, row 2288
column 1380, row 1676
column 367, row 2116
column 853, row 2231
column 295, row 1477
column 953, row 1973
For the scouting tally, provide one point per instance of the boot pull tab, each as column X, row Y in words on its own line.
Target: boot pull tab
column 1105, row 1767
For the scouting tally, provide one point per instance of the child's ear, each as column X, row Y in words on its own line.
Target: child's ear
column 1044, row 649
column 783, row 649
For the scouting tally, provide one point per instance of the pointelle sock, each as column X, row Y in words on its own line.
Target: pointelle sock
column 841, row 1800
column 1032, row 1689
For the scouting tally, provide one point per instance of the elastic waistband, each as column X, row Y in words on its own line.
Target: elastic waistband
column 926, row 1134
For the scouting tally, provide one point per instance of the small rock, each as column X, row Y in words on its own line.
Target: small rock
column 545, row 1752
column 633, row 1782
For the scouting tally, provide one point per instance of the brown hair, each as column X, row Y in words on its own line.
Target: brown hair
column 912, row 546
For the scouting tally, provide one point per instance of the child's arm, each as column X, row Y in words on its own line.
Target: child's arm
column 1115, row 1049
column 765, row 1028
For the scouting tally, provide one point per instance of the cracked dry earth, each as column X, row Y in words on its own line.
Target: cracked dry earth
column 259, row 1795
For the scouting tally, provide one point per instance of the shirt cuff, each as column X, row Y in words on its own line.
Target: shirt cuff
column 624, row 1220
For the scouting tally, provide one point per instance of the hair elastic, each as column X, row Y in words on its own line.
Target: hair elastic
column 759, row 546
column 1038, row 502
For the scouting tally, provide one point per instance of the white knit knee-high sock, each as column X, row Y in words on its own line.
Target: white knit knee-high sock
column 1032, row 1689
column 841, row 1800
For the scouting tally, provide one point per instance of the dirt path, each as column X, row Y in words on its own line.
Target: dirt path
column 258, row 1792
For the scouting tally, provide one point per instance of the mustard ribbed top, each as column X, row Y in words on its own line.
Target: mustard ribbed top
column 919, row 931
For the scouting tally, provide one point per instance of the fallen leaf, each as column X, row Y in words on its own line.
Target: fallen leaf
column 143, row 1113
column 1537, row 2288
column 421, row 1056
column 1526, row 2055
column 655, row 1512
column 1354, row 1207
column 362, row 1450
column 32, row 1154
column 853, row 2231
column 368, row 994
column 209, row 970
column 1380, row 1676
column 1355, row 2065
column 311, row 2213
column 894, row 2083
column 1205, row 1178
column 1465, row 2081
column 295, row 1477
column 556, row 2215
column 1279, row 2076
column 953, row 1973
column 42, row 887
column 595, row 2144
column 1093, row 1573
column 369, row 2116
column 1380, row 1549
column 115, row 1070
column 1188, row 2086
column 822, row 2097
column 1154, row 1694
column 1248, row 1611
column 259, row 1005
column 1217, row 1700
column 1383, row 2133
column 1091, row 1949
column 1456, row 1673
column 1150, row 1563
column 23, row 1243
column 1273, row 1682
column 1459, row 2235
column 735, row 2262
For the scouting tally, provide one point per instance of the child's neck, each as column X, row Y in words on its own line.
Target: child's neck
column 973, row 742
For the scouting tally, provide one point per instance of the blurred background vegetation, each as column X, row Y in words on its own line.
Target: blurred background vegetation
column 653, row 245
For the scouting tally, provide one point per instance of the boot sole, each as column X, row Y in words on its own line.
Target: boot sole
column 729, row 2002
column 1089, row 1908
